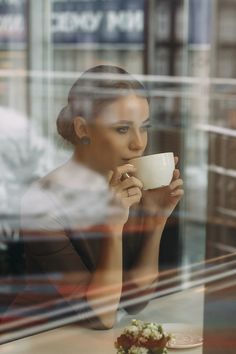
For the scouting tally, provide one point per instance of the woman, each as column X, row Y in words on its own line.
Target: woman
column 108, row 256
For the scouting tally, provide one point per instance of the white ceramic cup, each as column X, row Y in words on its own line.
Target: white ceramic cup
column 154, row 170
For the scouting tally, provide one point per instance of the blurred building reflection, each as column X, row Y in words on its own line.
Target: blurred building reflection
column 184, row 51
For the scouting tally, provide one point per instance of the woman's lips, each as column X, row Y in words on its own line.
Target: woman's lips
column 131, row 158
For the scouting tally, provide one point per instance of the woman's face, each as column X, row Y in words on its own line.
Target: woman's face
column 119, row 133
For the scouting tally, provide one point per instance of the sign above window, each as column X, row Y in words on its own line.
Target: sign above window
column 200, row 21
column 77, row 23
column 12, row 24
column 98, row 22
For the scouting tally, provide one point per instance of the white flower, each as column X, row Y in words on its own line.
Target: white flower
column 143, row 332
column 121, row 351
column 146, row 332
column 133, row 330
column 137, row 350
column 142, row 340
column 138, row 323
column 152, row 332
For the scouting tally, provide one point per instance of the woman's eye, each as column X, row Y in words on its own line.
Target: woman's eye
column 146, row 127
column 122, row 130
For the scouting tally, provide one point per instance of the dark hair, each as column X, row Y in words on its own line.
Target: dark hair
column 95, row 88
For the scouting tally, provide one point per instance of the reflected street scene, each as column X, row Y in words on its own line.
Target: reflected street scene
column 117, row 183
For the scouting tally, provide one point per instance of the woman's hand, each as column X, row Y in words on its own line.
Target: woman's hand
column 162, row 201
column 127, row 190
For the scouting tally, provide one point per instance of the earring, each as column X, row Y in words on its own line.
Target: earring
column 85, row 140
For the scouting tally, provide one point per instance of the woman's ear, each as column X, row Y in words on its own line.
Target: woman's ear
column 80, row 127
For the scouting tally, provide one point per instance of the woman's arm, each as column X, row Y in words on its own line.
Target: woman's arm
column 157, row 206
column 105, row 286
column 141, row 279
column 104, row 289
column 145, row 270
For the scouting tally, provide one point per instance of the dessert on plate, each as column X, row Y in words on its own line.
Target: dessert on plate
column 142, row 338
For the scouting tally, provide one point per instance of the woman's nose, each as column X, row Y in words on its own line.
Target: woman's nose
column 136, row 142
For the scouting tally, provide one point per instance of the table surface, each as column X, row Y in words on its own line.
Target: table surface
column 182, row 307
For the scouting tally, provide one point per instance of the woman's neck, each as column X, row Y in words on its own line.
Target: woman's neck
column 82, row 157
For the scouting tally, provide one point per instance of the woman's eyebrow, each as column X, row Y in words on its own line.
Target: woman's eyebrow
column 129, row 122
column 148, row 120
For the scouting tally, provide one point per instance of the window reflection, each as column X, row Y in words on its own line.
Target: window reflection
column 183, row 51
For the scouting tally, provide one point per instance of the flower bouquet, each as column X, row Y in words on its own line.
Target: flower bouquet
column 142, row 338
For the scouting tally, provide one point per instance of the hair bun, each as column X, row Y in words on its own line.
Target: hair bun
column 65, row 124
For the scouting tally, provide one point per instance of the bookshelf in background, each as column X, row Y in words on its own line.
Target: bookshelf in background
column 222, row 140
column 163, row 56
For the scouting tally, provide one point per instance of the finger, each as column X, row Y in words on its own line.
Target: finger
column 131, row 182
column 119, row 171
column 176, row 184
column 133, row 191
column 126, row 193
column 123, row 194
column 130, row 192
column 177, row 193
column 176, row 159
column 176, row 173
column 134, row 199
column 110, row 174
